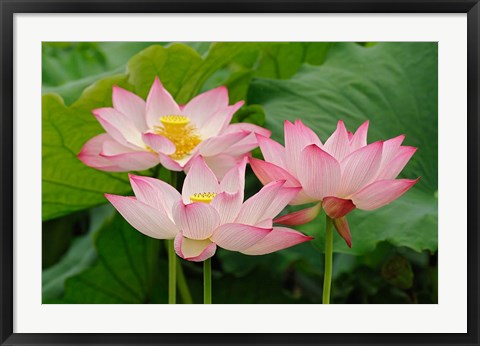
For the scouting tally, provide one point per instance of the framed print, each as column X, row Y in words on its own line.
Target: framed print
column 239, row 173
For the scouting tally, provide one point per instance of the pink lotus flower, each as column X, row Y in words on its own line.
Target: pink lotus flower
column 141, row 134
column 210, row 213
column 344, row 173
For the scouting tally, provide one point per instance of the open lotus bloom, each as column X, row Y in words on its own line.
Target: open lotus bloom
column 141, row 134
column 210, row 213
column 343, row 173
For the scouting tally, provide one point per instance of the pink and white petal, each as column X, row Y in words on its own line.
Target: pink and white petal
column 220, row 144
column 133, row 161
column 302, row 198
column 144, row 218
column 221, row 164
column 267, row 203
column 237, row 236
column 360, row 168
column 130, row 105
column 267, row 172
column 196, row 220
column 243, row 146
column 219, row 121
column 267, row 223
column 393, row 168
column 338, row 145
column 159, row 103
column 155, row 192
column 202, row 106
column 381, row 192
column 297, row 137
column 272, row 151
column 341, row 225
column 112, row 147
column 299, row 217
column 390, row 149
column 234, row 179
column 320, row 173
column 119, row 126
column 199, row 179
column 90, row 154
column 359, row 139
column 228, row 205
column 194, row 250
column 169, row 163
column 278, row 239
column 159, row 143
column 249, row 128
column 337, row 207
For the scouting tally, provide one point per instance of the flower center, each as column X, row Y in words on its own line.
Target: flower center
column 178, row 129
column 204, row 197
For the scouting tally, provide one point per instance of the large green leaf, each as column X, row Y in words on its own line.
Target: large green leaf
column 80, row 256
column 125, row 271
column 69, row 67
column 395, row 86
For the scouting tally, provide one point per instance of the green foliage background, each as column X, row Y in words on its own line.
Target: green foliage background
column 91, row 255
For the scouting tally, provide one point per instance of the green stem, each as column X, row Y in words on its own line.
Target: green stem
column 207, row 281
column 172, row 273
column 173, row 179
column 327, row 279
column 182, row 285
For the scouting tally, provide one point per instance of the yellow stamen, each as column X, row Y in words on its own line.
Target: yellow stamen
column 178, row 129
column 204, row 197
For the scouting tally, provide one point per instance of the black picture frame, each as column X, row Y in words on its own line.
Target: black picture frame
column 10, row 7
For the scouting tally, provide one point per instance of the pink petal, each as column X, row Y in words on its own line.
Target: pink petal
column 341, row 225
column 201, row 107
column 119, row 126
column 221, row 164
column 90, row 154
column 159, row 103
column 146, row 219
column 243, row 146
column 130, row 105
column 228, row 205
column 267, row 172
column 155, row 192
column 381, row 193
column 159, row 143
column 220, row 144
column 337, row 207
column 390, row 149
column 219, row 121
column 338, row 145
column 359, row 139
column 196, row 220
column 194, row 250
column 133, row 161
column 170, row 163
column 360, row 168
column 238, row 237
column 267, row 203
column 272, row 151
column 249, row 128
column 393, row 168
column 280, row 238
column 234, row 179
column 200, row 179
column 297, row 137
column 320, row 173
column 299, row 217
